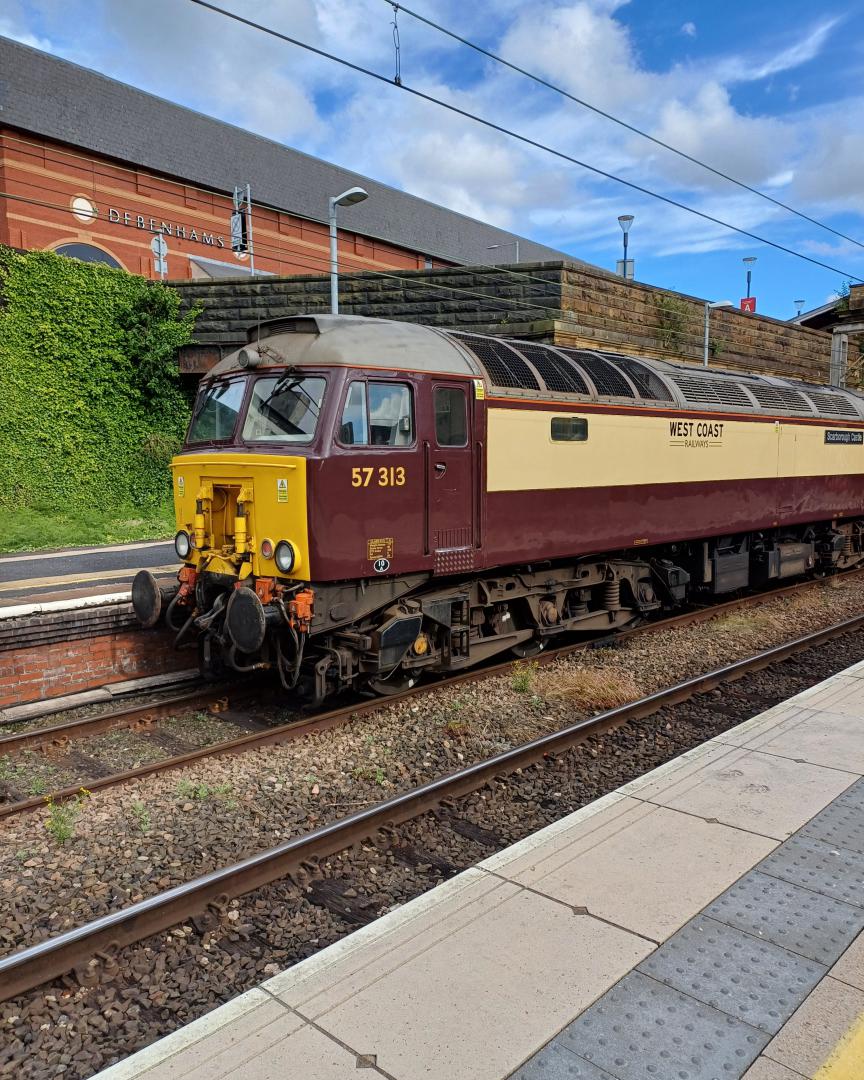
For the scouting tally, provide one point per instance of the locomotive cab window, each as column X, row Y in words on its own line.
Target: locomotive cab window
column 216, row 411
column 569, row 429
column 451, row 421
column 284, row 409
column 377, row 414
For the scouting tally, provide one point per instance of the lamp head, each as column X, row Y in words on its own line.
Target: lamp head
column 625, row 221
column 349, row 197
column 749, row 260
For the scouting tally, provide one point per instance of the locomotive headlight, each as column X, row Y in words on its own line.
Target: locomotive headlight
column 182, row 544
column 285, row 556
column 266, row 549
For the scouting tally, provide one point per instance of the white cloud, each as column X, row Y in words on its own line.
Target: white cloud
column 203, row 60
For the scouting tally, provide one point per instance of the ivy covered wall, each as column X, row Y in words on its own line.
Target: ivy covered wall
column 91, row 402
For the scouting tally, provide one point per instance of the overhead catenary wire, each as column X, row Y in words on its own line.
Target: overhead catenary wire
column 527, row 140
column 621, row 123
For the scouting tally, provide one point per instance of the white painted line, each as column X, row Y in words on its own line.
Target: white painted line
column 33, row 556
column 18, row 610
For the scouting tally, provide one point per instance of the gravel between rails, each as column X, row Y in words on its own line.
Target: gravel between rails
column 131, row 843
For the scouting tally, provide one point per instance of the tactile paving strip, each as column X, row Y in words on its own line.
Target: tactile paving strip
column 643, row 1030
column 556, row 1062
column 815, row 865
column 753, row 980
column 840, row 824
column 801, row 921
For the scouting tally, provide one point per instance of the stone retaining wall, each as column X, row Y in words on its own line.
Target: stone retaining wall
column 551, row 302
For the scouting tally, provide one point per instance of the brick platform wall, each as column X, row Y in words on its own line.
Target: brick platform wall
column 45, row 656
column 552, row 302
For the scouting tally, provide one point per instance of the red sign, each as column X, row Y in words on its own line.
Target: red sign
column 748, row 303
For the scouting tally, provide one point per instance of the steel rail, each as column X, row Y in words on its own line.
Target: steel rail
column 58, row 735
column 90, row 949
column 54, row 736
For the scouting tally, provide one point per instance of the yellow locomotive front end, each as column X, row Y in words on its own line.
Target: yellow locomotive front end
column 240, row 499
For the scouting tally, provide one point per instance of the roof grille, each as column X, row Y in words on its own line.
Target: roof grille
column 832, row 404
column 712, row 391
column 503, row 365
column 292, row 324
column 558, row 372
column 648, row 384
column 775, row 397
column 605, row 376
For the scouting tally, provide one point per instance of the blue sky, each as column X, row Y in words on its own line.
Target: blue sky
column 772, row 94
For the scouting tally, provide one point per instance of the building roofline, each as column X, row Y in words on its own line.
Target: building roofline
column 46, row 95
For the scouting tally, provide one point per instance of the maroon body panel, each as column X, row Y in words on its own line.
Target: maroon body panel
column 528, row 525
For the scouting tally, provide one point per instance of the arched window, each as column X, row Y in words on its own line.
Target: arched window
column 87, row 253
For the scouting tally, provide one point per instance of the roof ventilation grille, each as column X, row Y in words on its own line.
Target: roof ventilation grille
column 503, row 365
column 712, row 391
column 776, row 397
column 557, row 372
column 647, row 383
column 832, row 404
column 605, row 376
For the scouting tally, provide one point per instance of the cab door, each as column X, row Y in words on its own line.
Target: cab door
column 450, row 478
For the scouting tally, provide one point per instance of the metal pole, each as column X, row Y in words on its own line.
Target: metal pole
column 334, row 262
column 249, row 229
column 705, row 341
column 625, row 256
column 517, row 251
column 748, row 282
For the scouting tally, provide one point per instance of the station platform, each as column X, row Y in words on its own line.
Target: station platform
column 75, row 574
column 704, row 922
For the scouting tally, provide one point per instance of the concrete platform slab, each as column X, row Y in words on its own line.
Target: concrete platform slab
column 817, row 1027
column 833, row 740
column 680, row 862
column 769, row 795
column 458, row 1003
column 765, row 1069
column 850, row 967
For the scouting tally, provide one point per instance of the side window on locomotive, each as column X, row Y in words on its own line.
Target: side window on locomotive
column 354, row 428
column 569, row 429
column 451, row 422
column 390, row 419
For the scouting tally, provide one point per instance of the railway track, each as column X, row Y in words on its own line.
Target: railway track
column 227, row 702
column 91, row 950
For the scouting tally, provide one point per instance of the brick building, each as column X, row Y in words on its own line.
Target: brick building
column 93, row 168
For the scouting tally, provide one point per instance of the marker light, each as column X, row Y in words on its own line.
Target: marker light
column 285, row 556
column 182, row 544
column 266, row 549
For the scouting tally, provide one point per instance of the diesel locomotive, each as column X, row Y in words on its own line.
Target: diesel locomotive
column 361, row 501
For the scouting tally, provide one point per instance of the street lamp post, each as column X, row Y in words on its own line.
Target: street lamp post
column 347, row 198
column 748, row 263
column 510, row 243
column 800, row 305
column 709, row 306
column 625, row 221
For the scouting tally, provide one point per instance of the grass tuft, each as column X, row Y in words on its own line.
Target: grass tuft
column 589, row 688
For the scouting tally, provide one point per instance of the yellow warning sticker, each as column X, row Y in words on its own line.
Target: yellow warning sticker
column 181, row 486
column 479, row 389
column 381, row 548
column 282, row 490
